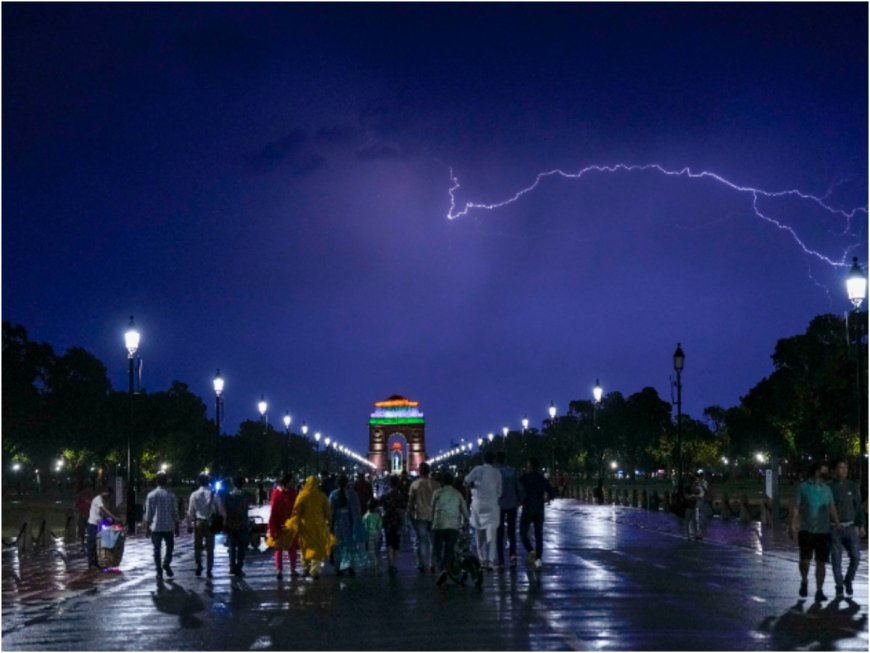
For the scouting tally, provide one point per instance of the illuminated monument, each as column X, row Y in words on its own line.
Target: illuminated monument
column 397, row 435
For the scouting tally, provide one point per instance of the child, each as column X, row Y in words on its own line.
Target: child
column 373, row 522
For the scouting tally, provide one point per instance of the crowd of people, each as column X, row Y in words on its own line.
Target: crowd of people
column 345, row 524
column 331, row 520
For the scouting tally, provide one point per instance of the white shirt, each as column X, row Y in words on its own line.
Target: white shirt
column 95, row 516
column 201, row 504
column 485, row 511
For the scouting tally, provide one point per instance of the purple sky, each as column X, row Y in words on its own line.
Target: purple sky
column 266, row 188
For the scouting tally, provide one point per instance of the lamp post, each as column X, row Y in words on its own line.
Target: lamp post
column 218, row 409
column 287, row 421
column 305, row 435
column 679, row 362
column 327, row 441
column 597, row 394
column 856, row 286
column 504, row 432
column 552, row 411
column 131, row 341
column 262, row 406
column 317, row 455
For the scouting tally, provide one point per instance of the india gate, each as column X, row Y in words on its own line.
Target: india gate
column 397, row 435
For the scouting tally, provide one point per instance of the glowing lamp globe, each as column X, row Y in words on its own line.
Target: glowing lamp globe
column 856, row 284
column 131, row 338
column 218, row 384
column 552, row 410
column 304, row 429
column 525, row 423
column 287, row 420
column 262, row 405
column 597, row 392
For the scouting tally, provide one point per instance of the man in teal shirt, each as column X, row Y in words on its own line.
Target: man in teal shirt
column 811, row 516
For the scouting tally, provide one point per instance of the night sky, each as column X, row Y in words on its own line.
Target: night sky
column 267, row 188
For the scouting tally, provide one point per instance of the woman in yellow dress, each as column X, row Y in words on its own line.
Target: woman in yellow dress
column 310, row 523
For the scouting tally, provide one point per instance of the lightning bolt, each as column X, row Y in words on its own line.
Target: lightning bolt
column 756, row 193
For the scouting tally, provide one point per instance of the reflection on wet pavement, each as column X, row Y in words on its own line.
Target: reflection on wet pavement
column 614, row 578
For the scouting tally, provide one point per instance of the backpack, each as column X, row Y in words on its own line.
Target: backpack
column 237, row 513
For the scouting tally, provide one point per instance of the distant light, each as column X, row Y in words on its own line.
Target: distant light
column 614, row 465
column 287, row 420
column 491, row 436
column 552, row 410
column 218, row 485
column 16, row 467
column 262, row 405
column 505, row 430
column 597, row 392
column 724, row 460
column 164, row 467
column 317, row 437
column 304, row 429
column 525, row 422
column 218, row 383
column 759, row 457
column 479, row 442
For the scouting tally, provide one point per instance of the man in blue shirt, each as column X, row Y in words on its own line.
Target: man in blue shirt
column 811, row 516
column 162, row 523
column 847, row 498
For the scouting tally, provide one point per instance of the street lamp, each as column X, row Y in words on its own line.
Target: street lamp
column 597, row 394
column 218, row 408
column 317, row 443
column 131, row 341
column 679, row 363
column 262, row 406
column 305, row 435
column 287, row 421
column 504, row 431
column 552, row 411
column 525, row 423
column 856, row 286
column 327, row 441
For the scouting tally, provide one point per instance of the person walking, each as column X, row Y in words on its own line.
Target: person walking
column 309, row 523
column 449, row 513
column 812, row 512
column 346, row 525
column 485, row 483
column 201, row 507
column 234, row 510
column 694, row 501
column 536, row 491
column 364, row 490
column 277, row 535
column 420, row 511
column 848, row 537
column 373, row 523
column 98, row 509
column 393, row 504
column 508, row 502
column 162, row 523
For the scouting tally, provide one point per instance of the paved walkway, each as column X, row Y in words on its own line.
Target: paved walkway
column 615, row 578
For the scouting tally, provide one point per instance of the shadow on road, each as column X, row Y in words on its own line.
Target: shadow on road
column 817, row 628
column 174, row 599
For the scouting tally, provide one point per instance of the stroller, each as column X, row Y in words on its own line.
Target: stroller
column 465, row 564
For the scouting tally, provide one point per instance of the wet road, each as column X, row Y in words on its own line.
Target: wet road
column 615, row 578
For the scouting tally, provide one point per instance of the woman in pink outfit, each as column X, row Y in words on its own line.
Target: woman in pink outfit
column 278, row 537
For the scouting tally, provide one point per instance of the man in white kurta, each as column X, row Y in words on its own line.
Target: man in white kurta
column 485, row 483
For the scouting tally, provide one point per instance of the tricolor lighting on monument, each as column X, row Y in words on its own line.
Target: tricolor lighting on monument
column 393, row 412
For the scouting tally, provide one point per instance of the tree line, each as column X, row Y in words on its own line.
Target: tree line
column 63, row 407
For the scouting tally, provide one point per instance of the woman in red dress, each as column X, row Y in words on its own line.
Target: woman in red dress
column 278, row 537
